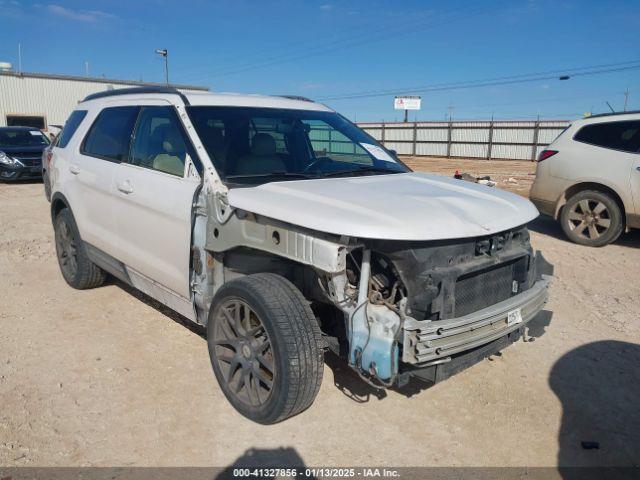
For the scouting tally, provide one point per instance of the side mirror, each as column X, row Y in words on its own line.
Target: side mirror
column 393, row 153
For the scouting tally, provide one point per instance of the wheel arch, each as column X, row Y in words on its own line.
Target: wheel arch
column 58, row 202
column 244, row 261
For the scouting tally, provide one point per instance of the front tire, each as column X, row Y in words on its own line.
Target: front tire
column 265, row 347
column 78, row 271
column 592, row 218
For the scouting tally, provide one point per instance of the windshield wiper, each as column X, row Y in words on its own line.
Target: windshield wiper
column 270, row 174
column 363, row 169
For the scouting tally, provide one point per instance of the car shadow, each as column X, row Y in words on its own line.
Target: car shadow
column 345, row 379
column 550, row 227
column 160, row 307
column 537, row 326
column 598, row 385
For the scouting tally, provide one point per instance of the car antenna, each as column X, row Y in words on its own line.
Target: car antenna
column 609, row 105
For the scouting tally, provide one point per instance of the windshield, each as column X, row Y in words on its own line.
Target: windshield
column 259, row 145
column 18, row 137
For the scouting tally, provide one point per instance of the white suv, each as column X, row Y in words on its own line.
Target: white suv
column 589, row 178
column 285, row 230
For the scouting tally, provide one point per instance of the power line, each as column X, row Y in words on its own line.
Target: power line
column 504, row 80
column 380, row 34
column 537, row 101
column 354, row 31
column 507, row 77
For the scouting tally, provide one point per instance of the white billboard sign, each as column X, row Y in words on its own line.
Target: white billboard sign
column 407, row 103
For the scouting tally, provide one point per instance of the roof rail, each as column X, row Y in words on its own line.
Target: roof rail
column 137, row 90
column 611, row 114
column 296, row 97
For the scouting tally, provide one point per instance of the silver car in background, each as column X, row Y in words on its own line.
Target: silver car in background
column 589, row 178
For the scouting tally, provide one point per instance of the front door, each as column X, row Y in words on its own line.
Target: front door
column 155, row 191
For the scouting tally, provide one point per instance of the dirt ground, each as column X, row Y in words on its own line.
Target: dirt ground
column 515, row 176
column 107, row 377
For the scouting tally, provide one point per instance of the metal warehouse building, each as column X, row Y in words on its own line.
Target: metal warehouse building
column 45, row 101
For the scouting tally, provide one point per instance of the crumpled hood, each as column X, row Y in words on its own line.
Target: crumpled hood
column 407, row 206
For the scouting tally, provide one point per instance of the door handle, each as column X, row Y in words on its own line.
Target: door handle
column 74, row 169
column 125, row 187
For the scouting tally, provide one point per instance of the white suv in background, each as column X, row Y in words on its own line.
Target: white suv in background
column 284, row 229
column 589, row 178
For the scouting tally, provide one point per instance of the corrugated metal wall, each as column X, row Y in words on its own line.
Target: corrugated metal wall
column 517, row 140
column 52, row 98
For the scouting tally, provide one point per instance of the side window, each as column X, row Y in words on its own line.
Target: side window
column 159, row 142
column 70, row 127
column 624, row 136
column 110, row 134
column 329, row 142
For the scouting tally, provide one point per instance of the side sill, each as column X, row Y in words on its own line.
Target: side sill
column 141, row 282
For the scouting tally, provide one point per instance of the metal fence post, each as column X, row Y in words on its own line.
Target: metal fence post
column 382, row 135
column 415, row 138
column 490, row 146
column 449, row 138
column 534, row 148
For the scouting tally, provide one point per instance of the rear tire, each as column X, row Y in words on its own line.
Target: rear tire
column 592, row 218
column 78, row 271
column 265, row 347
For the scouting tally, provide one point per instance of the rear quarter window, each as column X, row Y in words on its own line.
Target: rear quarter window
column 70, row 127
column 623, row 136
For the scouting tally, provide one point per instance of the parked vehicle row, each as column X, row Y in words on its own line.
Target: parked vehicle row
column 238, row 212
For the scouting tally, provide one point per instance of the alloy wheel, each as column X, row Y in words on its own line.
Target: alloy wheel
column 244, row 352
column 589, row 219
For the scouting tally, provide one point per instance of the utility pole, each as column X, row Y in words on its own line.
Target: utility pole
column 19, row 58
column 165, row 53
column 626, row 99
column 86, row 68
column 450, row 108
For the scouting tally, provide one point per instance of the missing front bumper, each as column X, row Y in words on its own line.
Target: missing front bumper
column 429, row 341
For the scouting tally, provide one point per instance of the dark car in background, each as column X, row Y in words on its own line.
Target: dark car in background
column 21, row 151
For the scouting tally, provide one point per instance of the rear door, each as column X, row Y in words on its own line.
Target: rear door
column 155, row 191
column 91, row 170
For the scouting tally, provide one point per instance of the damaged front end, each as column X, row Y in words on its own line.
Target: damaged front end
column 396, row 308
column 412, row 306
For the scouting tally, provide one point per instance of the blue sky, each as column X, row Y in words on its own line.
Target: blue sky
column 326, row 48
